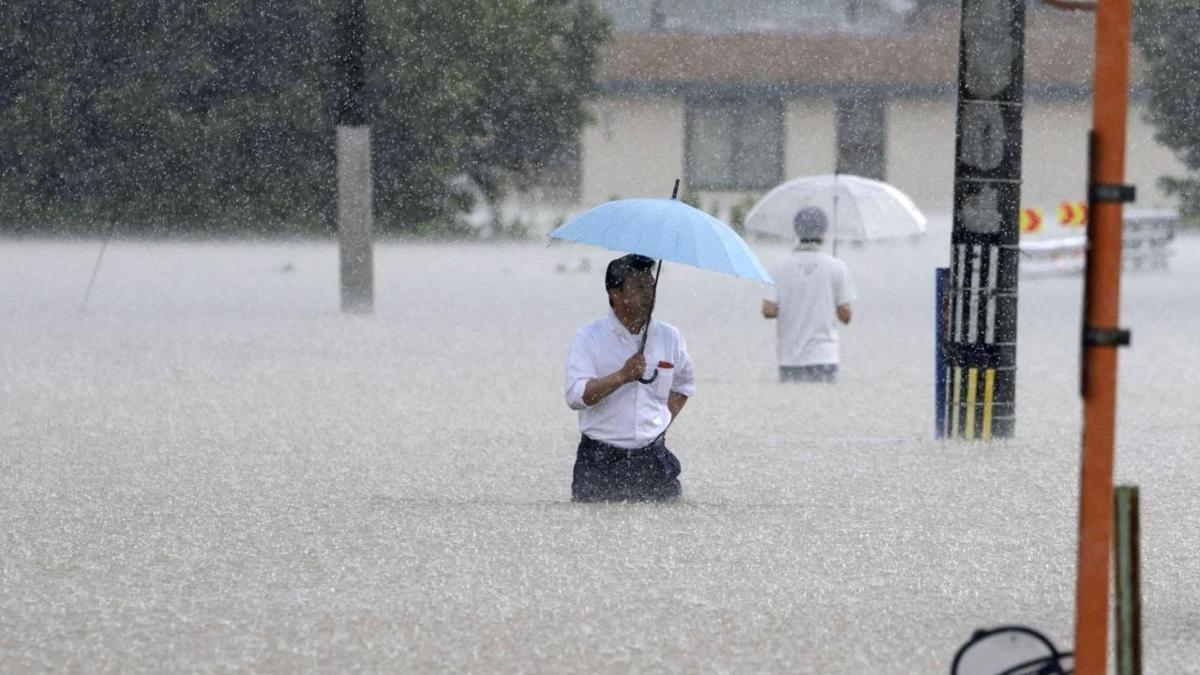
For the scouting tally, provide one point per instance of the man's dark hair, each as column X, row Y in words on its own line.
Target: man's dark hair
column 810, row 225
column 614, row 276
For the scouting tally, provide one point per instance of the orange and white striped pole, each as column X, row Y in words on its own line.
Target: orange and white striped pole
column 1101, row 335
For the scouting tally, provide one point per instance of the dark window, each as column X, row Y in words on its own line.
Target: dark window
column 853, row 10
column 862, row 136
column 734, row 144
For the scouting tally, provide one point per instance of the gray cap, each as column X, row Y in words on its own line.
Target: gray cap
column 810, row 223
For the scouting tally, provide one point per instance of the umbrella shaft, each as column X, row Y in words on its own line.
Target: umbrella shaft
column 649, row 312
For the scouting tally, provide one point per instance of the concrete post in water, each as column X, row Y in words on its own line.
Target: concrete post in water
column 981, row 344
column 355, row 218
column 355, row 211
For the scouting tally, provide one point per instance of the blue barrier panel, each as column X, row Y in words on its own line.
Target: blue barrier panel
column 940, row 311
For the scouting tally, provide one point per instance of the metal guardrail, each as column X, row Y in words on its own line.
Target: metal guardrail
column 1147, row 238
column 1146, row 245
column 1053, row 256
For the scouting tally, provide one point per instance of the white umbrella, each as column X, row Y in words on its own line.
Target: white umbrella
column 858, row 209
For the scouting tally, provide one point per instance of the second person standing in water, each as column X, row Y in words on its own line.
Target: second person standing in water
column 812, row 292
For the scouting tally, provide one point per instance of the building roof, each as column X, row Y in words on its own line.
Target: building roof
column 1058, row 59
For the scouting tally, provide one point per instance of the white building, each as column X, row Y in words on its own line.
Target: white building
column 735, row 97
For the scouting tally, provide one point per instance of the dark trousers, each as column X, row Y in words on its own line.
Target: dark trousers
column 606, row 473
column 826, row 372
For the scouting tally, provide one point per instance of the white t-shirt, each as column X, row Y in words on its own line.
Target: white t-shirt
column 635, row 414
column 809, row 285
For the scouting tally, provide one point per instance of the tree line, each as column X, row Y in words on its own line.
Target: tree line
column 1168, row 34
column 218, row 115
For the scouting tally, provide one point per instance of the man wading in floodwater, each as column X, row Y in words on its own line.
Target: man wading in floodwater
column 624, row 411
column 812, row 288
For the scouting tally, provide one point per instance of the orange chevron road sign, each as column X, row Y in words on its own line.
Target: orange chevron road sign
column 1031, row 220
column 1073, row 214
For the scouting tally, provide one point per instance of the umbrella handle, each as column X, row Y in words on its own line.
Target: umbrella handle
column 652, row 378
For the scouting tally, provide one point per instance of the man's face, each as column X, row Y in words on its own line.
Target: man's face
column 635, row 296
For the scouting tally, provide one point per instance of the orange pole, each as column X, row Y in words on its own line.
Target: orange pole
column 1102, row 303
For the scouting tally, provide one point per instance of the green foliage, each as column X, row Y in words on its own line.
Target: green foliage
column 1188, row 191
column 515, row 230
column 692, row 199
column 218, row 115
column 1166, row 32
column 161, row 115
column 489, row 89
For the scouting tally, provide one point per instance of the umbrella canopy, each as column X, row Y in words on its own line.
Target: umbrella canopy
column 858, row 209
column 665, row 229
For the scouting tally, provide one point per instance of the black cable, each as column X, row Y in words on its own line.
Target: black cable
column 1051, row 664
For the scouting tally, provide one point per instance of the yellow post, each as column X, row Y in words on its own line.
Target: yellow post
column 989, row 393
column 972, row 383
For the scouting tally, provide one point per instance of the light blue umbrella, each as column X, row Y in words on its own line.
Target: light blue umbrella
column 665, row 229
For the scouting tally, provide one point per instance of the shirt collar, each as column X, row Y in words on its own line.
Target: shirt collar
column 618, row 327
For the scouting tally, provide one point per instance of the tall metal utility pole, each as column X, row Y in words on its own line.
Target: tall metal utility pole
column 981, row 340
column 1101, row 335
column 354, row 200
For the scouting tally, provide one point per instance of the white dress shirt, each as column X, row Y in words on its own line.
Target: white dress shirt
column 635, row 414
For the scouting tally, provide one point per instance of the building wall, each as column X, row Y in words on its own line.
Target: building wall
column 810, row 145
column 920, row 154
column 1146, row 161
column 1054, row 153
column 1053, row 158
column 635, row 148
column 638, row 143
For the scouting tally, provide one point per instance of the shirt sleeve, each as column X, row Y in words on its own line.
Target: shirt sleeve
column 580, row 369
column 772, row 292
column 683, row 381
column 843, row 286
